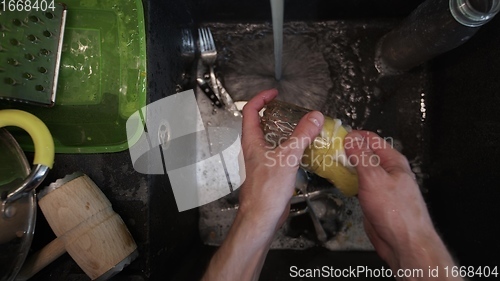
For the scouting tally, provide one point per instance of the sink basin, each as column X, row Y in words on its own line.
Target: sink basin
column 338, row 55
column 443, row 115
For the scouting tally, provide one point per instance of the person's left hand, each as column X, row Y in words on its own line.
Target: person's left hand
column 265, row 194
column 271, row 172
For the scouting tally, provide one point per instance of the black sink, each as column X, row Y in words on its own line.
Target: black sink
column 457, row 144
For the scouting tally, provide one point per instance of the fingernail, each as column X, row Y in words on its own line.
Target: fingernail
column 356, row 136
column 315, row 117
column 315, row 121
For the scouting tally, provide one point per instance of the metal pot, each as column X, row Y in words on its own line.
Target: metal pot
column 17, row 188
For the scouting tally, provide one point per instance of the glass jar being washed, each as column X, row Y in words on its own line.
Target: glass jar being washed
column 325, row 156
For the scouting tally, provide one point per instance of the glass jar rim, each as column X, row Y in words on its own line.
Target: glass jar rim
column 465, row 13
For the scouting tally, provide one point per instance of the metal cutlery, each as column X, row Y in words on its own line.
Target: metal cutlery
column 209, row 92
column 219, row 96
column 188, row 52
column 301, row 183
column 208, row 57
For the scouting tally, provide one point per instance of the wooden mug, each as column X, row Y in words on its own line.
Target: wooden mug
column 86, row 227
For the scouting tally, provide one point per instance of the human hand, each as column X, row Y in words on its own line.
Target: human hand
column 265, row 194
column 271, row 172
column 388, row 193
column 396, row 217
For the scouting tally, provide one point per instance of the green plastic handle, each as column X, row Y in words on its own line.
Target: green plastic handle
column 38, row 131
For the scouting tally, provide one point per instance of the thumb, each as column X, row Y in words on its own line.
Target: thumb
column 361, row 156
column 308, row 128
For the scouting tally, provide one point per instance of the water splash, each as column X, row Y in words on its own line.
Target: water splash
column 305, row 78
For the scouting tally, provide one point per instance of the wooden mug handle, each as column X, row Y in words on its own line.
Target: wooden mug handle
column 41, row 259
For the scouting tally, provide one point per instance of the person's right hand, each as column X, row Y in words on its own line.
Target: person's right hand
column 396, row 217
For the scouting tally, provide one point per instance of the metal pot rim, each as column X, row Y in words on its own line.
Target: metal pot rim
column 25, row 207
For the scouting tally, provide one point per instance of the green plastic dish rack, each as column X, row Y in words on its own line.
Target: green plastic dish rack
column 102, row 78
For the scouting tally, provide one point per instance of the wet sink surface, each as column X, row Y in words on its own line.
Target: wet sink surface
column 420, row 110
column 338, row 57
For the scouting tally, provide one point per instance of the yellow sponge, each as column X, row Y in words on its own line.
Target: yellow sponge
column 326, row 157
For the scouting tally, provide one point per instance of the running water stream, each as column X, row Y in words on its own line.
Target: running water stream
column 277, row 7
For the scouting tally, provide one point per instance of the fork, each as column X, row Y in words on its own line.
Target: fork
column 187, row 55
column 187, row 47
column 209, row 55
